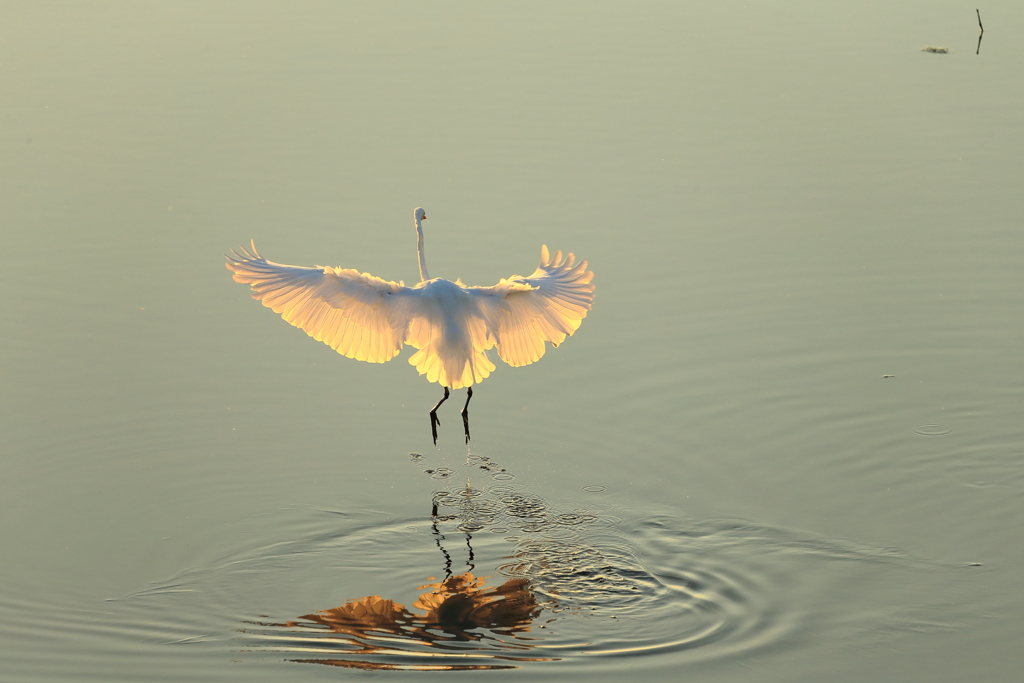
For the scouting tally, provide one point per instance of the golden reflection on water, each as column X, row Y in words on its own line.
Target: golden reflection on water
column 457, row 616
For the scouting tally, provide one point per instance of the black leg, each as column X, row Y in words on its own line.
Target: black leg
column 465, row 413
column 469, row 537
column 433, row 415
column 447, row 558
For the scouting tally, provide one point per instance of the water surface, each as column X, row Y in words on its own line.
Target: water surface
column 784, row 445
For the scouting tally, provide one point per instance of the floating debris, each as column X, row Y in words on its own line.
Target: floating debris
column 935, row 50
column 887, row 376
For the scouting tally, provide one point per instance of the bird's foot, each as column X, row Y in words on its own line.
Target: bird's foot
column 465, row 412
column 433, row 425
column 433, row 415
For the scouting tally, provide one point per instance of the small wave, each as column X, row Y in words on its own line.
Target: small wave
column 518, row 582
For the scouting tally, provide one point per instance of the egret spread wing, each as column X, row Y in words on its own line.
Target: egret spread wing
column 549, row 305
column 358, row 315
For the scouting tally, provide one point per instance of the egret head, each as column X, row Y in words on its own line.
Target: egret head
column 420, row 214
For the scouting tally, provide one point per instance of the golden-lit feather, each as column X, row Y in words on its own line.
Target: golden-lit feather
column 547, row 306
column 452, row 326
column 358, row 315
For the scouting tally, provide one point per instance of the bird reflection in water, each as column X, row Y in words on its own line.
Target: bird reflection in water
column 459, row 618
column 456, row 612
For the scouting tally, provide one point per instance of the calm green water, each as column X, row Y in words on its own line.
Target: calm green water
column 783, row 205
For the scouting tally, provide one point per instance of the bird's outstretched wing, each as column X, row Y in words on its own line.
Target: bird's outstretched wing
column 549, row 305
column 358, row 315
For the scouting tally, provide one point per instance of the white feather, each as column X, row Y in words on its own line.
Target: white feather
column 452, row 326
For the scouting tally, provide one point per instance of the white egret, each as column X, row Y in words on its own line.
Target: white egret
column 452, row 325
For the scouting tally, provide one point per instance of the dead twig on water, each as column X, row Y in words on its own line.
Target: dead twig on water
column 978, row 51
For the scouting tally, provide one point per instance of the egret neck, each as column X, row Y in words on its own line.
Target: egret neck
column 424, row 275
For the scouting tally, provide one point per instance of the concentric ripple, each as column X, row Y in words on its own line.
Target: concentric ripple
column 497, row 577
column 933, row 430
